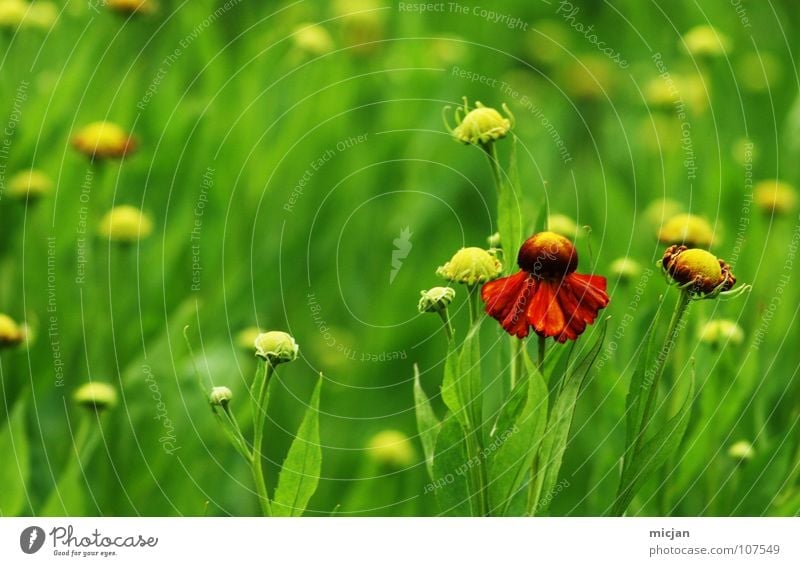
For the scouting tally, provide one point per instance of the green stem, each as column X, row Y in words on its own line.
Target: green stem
column 542, row 352
column 259, row 399
column 448, row 328
column 494, row 163
column 674, row 330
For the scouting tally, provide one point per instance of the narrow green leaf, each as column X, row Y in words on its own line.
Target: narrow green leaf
column 450, row 471
column 513, row 447
column 470, row 381
column 15, row 469
column 300, row 473
column 428, row 424
column 638, row 390
column 451, row 394
column 560, row 421
column 652, row 455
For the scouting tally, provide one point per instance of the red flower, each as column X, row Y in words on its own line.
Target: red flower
column 546, row 294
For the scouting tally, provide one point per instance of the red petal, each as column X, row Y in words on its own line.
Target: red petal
column 506, row 300
column 544, row 312
column 581, row 297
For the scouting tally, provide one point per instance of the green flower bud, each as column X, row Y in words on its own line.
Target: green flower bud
column 626, row 269
column 720, row 332
column 706, row 41
column 313, row 39
column 125, row 225
column 220, row 396
column 471, row 266
column 276, row 347
column 562, row 225
column 96, row 396
column 247, row 337
column 29, row 185
column 391, row 448
column 494, row 241
column 481, row 125
column 436, row 299
column 741, row 451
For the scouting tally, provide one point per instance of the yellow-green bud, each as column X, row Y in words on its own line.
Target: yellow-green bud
column 313, row 39
column 562, row 225
column 391, row 448
column 220, row 396
column 29, row 185
column 11, row 334
column 626, row 269
column 471, row 266
column 481, row 125
column 247, row 337
column 659, row 211
column 720, row 332
column 701, row 272
column 775, row 196
column 741, row 451
column 687, row 229
column 276, row 347
column 96, row 395
column 125, row 224
column 41, row 15
column 494, row 241
column 436, row 299
column 12, row 12
column 705, row 41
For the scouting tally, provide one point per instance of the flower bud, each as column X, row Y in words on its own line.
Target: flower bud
column 313, row 39
column 562, row 225
column 548, row 255
column 436, row 299
column 11, row 334
column 705, row 41
column 41, row 15
column 741, row 451
column 220, row 397
column 590, row 77
column 494, row 241
column 698, row 271
column 481, row 125
column 29, row 185
column 471, row 266
column 391, row 448
column 96, row 396
column 276, row 347
column 125, row 224
column 775, row 197
column 759, row 71
column 687, row 229
column 131, row 6
column 659, row 211
column 720, row 332
column 103, row 140
column 12, row 12
column 247, row 337
column 626, row 269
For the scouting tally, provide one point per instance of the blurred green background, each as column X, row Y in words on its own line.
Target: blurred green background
column 234, row 105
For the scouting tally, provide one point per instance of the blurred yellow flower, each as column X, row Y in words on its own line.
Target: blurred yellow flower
column 96, row 396
column 101, row 140
column 313, row 39
column 687, row 229
column 11, row 334
column 132, row 6
column 125, row 224
column 774, row 196
column 706, row 41
column 391, row 448
column 562, row 225
column 29, row 185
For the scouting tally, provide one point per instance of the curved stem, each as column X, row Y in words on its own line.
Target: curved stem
column 448, row 328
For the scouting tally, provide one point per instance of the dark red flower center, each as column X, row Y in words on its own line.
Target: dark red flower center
column 547, row 255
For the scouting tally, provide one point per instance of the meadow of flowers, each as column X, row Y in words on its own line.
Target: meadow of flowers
column 364, row 257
